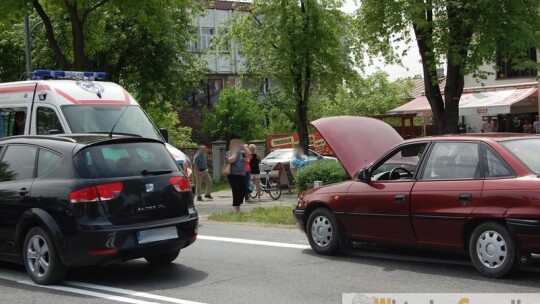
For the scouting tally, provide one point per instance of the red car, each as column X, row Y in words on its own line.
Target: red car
column 475, row 193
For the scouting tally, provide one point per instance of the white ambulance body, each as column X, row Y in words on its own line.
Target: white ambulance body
column 46, row 107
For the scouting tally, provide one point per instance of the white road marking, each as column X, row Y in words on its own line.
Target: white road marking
column 252, row 242
column 131, row 293
column 88, row 293
column 22, row 278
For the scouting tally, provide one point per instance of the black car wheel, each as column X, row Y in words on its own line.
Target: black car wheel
column 41, row 259
column 323, row 232
column 492, row 250
column 163, row 259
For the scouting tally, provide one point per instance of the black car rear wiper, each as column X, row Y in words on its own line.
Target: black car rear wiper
column 155, row 172
column 116, row 133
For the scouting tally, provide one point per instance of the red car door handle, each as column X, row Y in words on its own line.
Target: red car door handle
column 465, row 197
column 400, row 198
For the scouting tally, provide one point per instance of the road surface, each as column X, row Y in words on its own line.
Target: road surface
column 251, row 264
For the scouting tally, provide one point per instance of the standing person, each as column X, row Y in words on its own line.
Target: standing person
column 200, row 165
column 255, row 169
column 237, row 179
column 20, row 123
column 536, row 125
column 299, row 160
column 487, row 127
column 527, row 127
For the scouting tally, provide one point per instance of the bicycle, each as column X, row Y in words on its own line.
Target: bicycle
column 271, row 185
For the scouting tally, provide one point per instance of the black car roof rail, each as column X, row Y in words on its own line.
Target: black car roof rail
column 49, row 137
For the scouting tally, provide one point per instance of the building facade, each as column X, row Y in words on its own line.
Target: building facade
column 510, row 96
column 225, row 66
column 508, row 99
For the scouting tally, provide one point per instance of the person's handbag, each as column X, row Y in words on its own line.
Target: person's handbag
column 226, row 171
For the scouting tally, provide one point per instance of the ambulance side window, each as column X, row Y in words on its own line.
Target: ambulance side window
column 47, row 122
column 12, row 121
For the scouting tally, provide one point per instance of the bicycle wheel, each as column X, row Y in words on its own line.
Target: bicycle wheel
column 275, row 189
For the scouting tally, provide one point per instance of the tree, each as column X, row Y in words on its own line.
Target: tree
column 371, row 95
column 280, row 113
column 237, row 114
column 12, row 59
column 463, row 34
column 141, row 44
column 165, row 116
column 302, row 45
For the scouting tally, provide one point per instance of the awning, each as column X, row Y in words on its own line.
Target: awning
column 417, row 105
column 494, row 102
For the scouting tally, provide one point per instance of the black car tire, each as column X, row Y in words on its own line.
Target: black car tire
column 323, row 232
column 491, row 243
column 56, row 270
column 163, row 259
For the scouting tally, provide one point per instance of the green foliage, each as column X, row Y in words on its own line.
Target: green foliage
column 371, row 95
column 461, row 34
column 477, row 27
column 302, row 45
column 164, row 115
column 276, row 215
column 278, row 122
column 12, row 56
column 142, row 45
column 329, row 172
column 280, row 113
column 237, row 114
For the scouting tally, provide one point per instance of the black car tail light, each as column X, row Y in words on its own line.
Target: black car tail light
column 180, row 183
column 103, row 192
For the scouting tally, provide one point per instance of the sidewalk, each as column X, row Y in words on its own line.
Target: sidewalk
column 222, row 202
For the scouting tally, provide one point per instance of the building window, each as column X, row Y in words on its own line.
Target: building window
column 194, row 42
column 508, row 70
column 265, row 86
column 206, row 38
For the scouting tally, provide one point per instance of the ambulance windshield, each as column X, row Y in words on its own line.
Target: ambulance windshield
column 101, row 119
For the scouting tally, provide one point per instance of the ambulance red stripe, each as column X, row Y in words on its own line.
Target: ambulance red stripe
column 23, row 88
column 125, row 101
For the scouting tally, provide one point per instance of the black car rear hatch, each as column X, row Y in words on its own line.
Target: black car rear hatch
column 133, row 181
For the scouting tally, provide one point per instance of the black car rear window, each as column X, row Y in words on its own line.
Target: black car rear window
column 122, row 160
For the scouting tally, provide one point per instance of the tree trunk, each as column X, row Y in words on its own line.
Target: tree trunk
column 452, row 94
column 302, row 120
column 445, row 111
column 51, row 37
column 77, row 30
column 303, row 87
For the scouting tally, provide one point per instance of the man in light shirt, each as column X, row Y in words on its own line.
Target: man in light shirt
column 488, row 126
column 201, row 173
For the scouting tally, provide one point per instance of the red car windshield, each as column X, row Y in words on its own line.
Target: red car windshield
column 527, row 151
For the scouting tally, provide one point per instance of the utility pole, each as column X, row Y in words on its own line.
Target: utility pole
column 28, row 47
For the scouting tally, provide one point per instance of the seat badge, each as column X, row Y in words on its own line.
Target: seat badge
column 149, row 187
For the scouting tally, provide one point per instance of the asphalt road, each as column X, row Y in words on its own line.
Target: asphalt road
column 250, row 264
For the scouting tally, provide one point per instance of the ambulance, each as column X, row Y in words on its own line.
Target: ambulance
column 64, row 102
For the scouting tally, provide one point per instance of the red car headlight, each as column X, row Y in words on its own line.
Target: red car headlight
column 300, row 203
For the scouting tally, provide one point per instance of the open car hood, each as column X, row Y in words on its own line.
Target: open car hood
column 357, row 141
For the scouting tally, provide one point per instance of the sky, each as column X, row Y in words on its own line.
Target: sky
column 411, row 65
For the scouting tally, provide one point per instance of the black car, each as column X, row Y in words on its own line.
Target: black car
column 83, row 200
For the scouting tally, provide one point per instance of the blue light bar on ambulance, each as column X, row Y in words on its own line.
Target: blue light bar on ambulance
column 46, row 74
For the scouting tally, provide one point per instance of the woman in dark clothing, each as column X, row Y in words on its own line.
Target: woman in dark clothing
column 236, row 156
column 255, row 169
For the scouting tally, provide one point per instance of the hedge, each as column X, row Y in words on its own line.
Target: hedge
column 329, row 172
